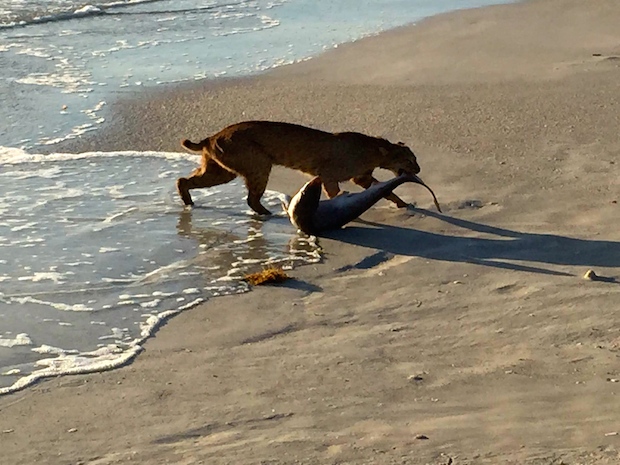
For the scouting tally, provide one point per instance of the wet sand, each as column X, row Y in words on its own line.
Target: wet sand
column 468, row 338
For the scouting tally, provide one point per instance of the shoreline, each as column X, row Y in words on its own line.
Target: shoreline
column 473, row 329
column 127, row 107
column 312, row 86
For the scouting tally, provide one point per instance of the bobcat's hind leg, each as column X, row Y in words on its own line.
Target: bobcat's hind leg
column 209, row 175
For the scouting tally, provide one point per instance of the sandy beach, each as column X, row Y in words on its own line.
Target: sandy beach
column 468, row 337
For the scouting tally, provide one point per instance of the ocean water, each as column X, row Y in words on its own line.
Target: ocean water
column 91, row 261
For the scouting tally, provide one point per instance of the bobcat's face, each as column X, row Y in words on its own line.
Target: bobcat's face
column 400, row 159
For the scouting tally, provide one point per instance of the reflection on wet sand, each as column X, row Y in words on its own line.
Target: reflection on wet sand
column 247, row 246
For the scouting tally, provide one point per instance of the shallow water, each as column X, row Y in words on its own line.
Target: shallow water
column 90, row 251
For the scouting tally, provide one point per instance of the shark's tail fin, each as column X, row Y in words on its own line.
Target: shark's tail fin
column 415, row 178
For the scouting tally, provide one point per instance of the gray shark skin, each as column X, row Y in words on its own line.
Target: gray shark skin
column 313, row 216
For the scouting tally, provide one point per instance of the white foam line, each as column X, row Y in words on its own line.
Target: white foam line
column 15, row 156
column 56, row 305
column 108, row 249
column 104, row 364
column 58, row 292
column 21, row 339
column 45, row 276
column 103, row 359
column 162, row 271
column 46, row 349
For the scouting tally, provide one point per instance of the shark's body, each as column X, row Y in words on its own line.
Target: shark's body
column 314, row 216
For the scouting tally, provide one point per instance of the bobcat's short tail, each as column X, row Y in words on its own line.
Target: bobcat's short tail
column 188, row 144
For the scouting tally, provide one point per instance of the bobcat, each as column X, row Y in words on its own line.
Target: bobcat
column 250, row 149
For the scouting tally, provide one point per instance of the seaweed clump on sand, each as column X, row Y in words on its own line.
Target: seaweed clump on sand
column 268, row 275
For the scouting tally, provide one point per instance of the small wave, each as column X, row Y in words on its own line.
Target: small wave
column 266, row 23
column 161, row 273
column 50, row 350
column 120, row 214
column 89, row 10
column 17, row 156
column 45, row 276
column 27, row 18
column 57, row 305
column 21, row 339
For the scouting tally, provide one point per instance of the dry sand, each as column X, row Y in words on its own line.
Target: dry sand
column 465, row 338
